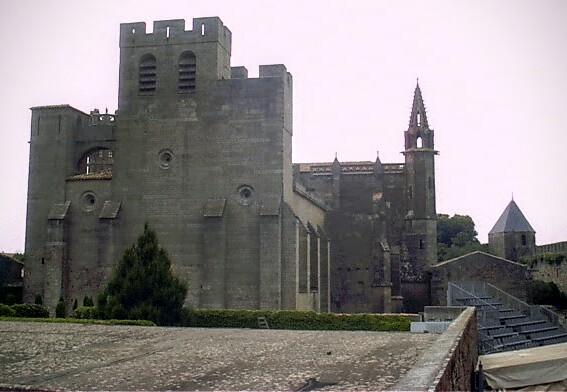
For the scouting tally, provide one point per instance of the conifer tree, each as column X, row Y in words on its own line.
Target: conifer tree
column 142, row 286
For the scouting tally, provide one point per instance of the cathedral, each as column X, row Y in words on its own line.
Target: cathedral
column 203, row 154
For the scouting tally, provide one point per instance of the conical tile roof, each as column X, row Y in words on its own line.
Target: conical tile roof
column 512, row 220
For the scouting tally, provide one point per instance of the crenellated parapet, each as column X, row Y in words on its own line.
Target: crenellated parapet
column 173, row 32
column 102, row 119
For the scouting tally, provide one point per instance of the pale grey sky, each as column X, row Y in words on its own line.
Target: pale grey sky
column 493, row 76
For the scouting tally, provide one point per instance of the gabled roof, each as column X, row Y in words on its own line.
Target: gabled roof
column 464, row 258
column 512, row 220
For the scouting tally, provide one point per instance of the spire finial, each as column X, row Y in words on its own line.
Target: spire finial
column 336, row 155
column 512, row 196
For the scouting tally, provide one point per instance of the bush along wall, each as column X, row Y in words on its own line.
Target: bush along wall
column 296, row 320
column 30, row 310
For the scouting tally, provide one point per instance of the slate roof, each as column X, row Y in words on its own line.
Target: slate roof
column 512, row 220
column 59, row 211
column 100, row 175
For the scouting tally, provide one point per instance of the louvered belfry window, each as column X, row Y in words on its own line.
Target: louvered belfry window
column 147, row 74
column 187, row 72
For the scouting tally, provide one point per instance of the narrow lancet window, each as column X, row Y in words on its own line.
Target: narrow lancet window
column 419, row 142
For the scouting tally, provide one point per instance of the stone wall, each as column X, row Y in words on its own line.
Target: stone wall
column 551, row 272
column 449, row 364
column 556, row 247
column 556, row 273
column 511, row 277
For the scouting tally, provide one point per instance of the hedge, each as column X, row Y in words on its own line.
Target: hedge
column 6, row 310
column 30, row 310
column 295, row 320
column 144, row 323
column 231, row 318
column 86, row 312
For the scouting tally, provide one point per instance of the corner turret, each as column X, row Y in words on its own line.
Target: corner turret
column 512, row 236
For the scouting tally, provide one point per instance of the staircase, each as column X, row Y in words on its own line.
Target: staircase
column 504, row 322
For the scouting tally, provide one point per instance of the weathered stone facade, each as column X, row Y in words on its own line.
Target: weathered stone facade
column 555, row 272
column 511, row 277
column 203, row 154
column 382, row 223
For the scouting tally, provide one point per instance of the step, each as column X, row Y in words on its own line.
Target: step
column 532, row 331
column 543, row 338
column 513, row 316
column 527, row 322
column 503, row 334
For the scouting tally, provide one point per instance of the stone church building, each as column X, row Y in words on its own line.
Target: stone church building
column 204, row 155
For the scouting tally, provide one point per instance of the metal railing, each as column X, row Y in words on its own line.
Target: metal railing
column 483, row 289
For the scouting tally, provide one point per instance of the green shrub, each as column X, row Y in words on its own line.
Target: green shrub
column 144, row 323
column 295, row 320
column 549, row 258
column 6, row 310
column 86, row 312
column 88, row 301
column 30, row 310
column 60, row 309
column 547, row 293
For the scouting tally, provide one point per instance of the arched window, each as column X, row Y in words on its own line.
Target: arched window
column 410, row 192
column 95, row 161
column 187, row 72
column 147, row 74
column 524, row 240
column 419, row 142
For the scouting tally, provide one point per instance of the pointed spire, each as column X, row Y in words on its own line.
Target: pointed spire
column 418, row 116
column 512, row 220
column 378, row 164
column 336, row 167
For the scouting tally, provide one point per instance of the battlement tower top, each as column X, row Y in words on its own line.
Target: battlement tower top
column 173, row 31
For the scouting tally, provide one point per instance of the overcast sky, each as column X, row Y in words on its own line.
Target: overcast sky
column 493, row 76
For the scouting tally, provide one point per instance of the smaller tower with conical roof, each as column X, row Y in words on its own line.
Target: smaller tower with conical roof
column 512, row 236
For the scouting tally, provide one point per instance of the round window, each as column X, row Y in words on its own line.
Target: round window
column 88, row 201
column 245, row 194
column 165, row 159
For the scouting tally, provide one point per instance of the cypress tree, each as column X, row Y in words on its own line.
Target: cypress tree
column 142, row 286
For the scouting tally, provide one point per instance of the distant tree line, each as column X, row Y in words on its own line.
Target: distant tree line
column 456, row 236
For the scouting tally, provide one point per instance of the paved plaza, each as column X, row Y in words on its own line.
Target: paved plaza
column 46, row 356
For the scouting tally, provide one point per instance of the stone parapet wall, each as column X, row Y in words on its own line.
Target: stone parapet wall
column 557, row 247
column 556, row 273
column 449, row 364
